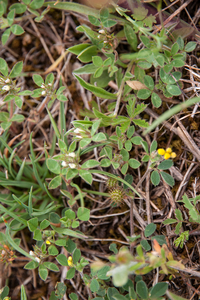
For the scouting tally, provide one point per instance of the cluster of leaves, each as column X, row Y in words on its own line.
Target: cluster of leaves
column 10, row 20
column 194, row 218
column 52, row 230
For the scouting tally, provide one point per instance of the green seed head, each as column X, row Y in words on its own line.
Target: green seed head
column 116, row 195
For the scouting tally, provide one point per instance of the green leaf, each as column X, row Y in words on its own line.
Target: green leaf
column 60, row 290
column 44, row 224
column 51, row 266
column 155, row 178
column 142, row 289
column 136, row 140
column 173, row 296
column 148, row 81
column 166, row 164
column 104, row 14
column 190, row 46
column 99, row 92
column 18, row 7
column 17, row 29
column 124, row 168
column 3, row 67
column 145, row 245
column 73, row 296
column 168, row 178
column 16, row 70
column 23, row 293
column 17, row 118
column 83, row 214
column 36, row 4
column 38, row 79
column 70, row 273
column 18, row 101
column 10, row 17
column 169, row 221
column 105, row 162
column 133, row 163
column 159, row 290
column 97, row 61
column 87, row 69
column 85, row 175
column 174, row 49
column 94, row 21
column 62, row 260
column 173, row 89
column 5, row 37
column 160, row 239
column 32, row 224
column 78, row 48
column 177, row 63
column 37, row 235
column 150, row 229
column 94, row 285
column 156, row 100
column 144, row 65
column 178, row 214
column 131, row 37
column 31, row 265
column 76, row 256
column 53, row 166
column 55, row 182
column 86, row 55
column 43, row 272
column 70, row 214
column 143, row 94
column 52, row 250
column 90, row 163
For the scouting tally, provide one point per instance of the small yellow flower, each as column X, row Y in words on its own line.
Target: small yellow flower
column 169, row 150
column 161, row 151
column 48, row 242
column 173, row 155
column 70, row 261
column 167, row 156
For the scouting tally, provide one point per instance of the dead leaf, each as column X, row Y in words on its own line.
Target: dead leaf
column 136, row 85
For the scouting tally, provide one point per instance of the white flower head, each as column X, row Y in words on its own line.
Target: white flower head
column 102, row 31
column 43, row 93
column 49, row 84
column 38, row 259
column 72, row 166
column 3, row 252
column 31, row 253
column 72, row 154
column 43, row 86
column 64, row 164
column 6, row 88
column 78, row 130
column 7, row 80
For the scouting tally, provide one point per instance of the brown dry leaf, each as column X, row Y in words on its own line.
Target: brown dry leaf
column 136, row 85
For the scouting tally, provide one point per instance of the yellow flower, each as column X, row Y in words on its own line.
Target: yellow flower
column 173, row 155
column 161, row 151
column 70, row 261
column 169, row 150
column 167, row 156
column 48, row 242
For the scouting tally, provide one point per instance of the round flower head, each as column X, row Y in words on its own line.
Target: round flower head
column 6, row 88
column 169, row 150
column 70, row 261
column 173, row 155
column 72, row 166
column 64, row 164
column 161, row 151
column 72, row 154
column 167, row 155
